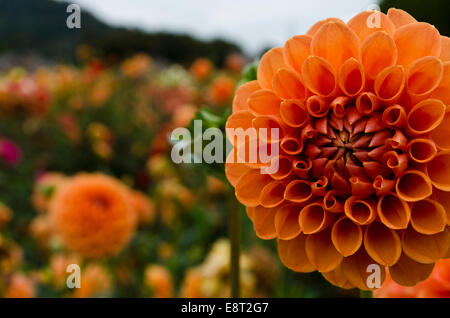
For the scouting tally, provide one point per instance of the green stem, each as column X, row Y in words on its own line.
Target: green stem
column 365, row 294
column 235, row 241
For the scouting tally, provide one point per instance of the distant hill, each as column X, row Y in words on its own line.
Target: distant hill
column 39, row 27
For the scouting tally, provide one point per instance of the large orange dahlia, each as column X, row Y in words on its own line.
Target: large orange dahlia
column 93, row 215
column 364, row 163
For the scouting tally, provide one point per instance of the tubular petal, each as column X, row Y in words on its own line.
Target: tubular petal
column 287, row 85
column 296, row 50
column 291, row 145
column 382, row 244
column 242, row 95
column 360, row 188
column 249, row 187
column 425, row 249
column 286, row 222
column 298, row 191
column 393, row 212
column 395, row 116
column 407, row 272
column 399, row 17
column 443, row 198
column 338, row 105
column 441, row 133
column 424, row 76
column 313, row 218
column 416, row 40
column 425, row 116
column 397, row 163
column 317, row 106
column 321, row 251
column 302, row 168
column 355, row 269
column 335, row 42
column 378, row 52
column 383, row 186
column 445, row 49
column 346, row 236
column 428, row 217
column 389, row 84
column 263, row 125
column 413, row 186
column 284, row 164
column 272, row 195
column 319, row 76
column 294, row 113
column 422, row 150
column 264, row 222
column 293, row 255
column 264, row 102
column 240, row 119
column 367, row 103
column 363, row 24
column 270, row 63
column 351, row 77
column 361, row 212
column 442, row 92
column 438, row 170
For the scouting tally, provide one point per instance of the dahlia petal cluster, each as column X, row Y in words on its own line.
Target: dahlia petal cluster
column 364, row 163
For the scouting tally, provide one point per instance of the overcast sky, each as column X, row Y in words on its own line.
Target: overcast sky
column 253, row 24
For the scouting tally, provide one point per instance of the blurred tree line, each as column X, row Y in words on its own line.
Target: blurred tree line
column 436, row 12
column 39, row 26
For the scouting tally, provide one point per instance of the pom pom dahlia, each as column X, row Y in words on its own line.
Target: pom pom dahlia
column 364, row 162
column 93, row 215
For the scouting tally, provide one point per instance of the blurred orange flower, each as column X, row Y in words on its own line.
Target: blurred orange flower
column 95, row 282
column 235, row 62
column 201, row 69
column 20, row 286
column 159, row 280
column 143, row 206
column 364, row 163
column 136, row 65
column 221, row 90
column 44, row 189
column 435, row 286
column 93, row 216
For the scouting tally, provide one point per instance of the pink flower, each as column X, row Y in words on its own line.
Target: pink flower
column 10, row 152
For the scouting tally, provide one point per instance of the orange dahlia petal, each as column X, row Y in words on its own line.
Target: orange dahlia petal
column 395, row 116
column 286, row 222
column 416, row 40
column 249, row 187
column 242, row 95
column 407, row 272
column 272, row 195
column 313, row 218
column 264, row 102
column 319, row 76
column 321, row 251
column 382, row 244
column 294, row 113
column 313, row 30
column 425, row 116
column 359, row 24
column 263, row 222
column 355, row 269
column 378, row 52
column 413, row 186
column 441, row 133
column 361, row 212
column 428, row 217
column 293, row 254
column 270, row 63
column 288, row 85
column 346, row 236
column 400, row 17
column 422, row 150
column 336, row 43
column 389, row 84
column 296, row 50
column 338, row 278
column 425, row 248
column 393, row 211
column 424, row 76
column 298, row 191
column 351, row 77
column 438, row 171
column 442, row 92
column 445, row 49
column 443, row 198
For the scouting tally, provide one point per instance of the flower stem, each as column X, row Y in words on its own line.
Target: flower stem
column 365, row 294
column 235, row 241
